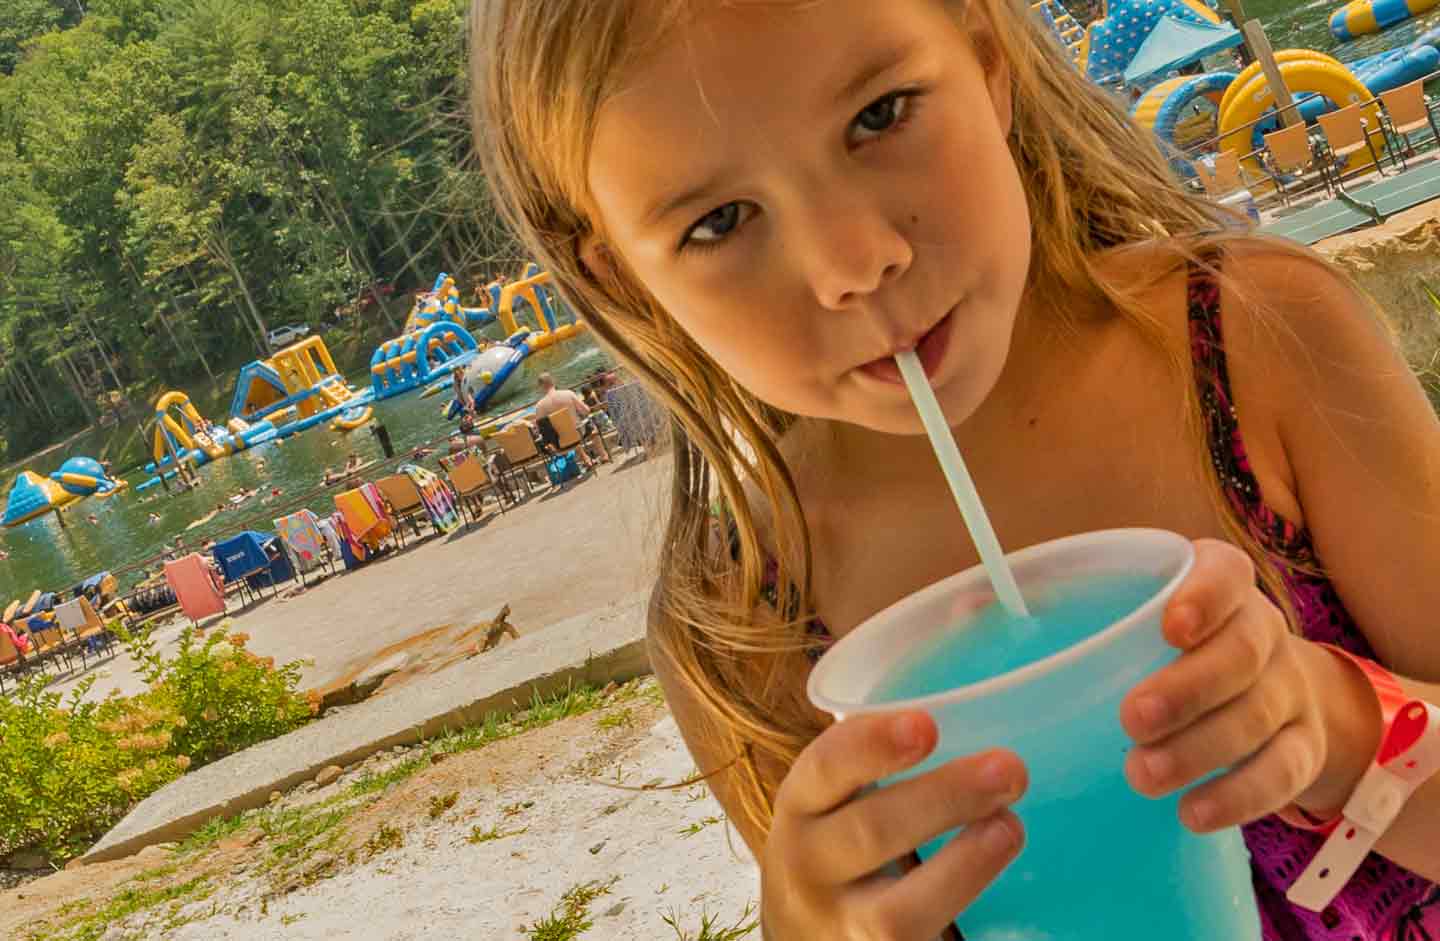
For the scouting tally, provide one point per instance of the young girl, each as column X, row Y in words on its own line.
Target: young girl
column 755, row 204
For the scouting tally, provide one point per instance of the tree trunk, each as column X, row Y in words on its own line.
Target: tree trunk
column 175, row 306
column 220, row 246
column 77, row 386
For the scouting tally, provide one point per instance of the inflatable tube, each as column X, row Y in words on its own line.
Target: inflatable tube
column 1363, row 17
column 1411, row 63
column 1305, row 72
column 353, row 418
column 1162, row 108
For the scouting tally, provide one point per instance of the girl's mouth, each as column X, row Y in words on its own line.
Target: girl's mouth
column 931, row 349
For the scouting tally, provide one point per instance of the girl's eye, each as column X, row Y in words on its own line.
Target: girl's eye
column 883, row 114
column 717, row 225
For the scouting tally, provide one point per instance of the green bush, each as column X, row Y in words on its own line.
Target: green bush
column 69, row 769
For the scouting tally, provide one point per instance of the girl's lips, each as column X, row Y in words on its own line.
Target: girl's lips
column 931, row 350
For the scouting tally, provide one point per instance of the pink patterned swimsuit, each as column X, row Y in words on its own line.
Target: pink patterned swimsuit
column 1383, row 902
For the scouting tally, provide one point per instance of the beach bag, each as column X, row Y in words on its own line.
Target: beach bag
column 563, row 468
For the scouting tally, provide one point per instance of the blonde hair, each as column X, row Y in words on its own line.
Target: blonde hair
column 540, row 72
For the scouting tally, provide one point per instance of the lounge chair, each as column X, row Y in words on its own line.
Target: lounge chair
column 1406, row 110
column 79, row 618
column 242, row 559
column 404, row 502
column 197, row 585
column 472, row 481
column 49, row 643
column 302, row 537
column 12, row 661
column 1223, row 175
column 567, row 431
column 518, row 446
column 1290, row 153
column 1347, row 132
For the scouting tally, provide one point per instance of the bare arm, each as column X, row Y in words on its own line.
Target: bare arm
column 1363, row 447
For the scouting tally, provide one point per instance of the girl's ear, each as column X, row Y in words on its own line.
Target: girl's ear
column 597, row 259
column 995, row 67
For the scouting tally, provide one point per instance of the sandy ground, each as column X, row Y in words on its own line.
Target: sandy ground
column 566, row 805
column 553, row 557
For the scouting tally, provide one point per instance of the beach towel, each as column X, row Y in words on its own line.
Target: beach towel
column 71, row 615
column 352, row 551
column 436, row 495
column 301, row 532
column 197, row 586
column 21, row 642
column 363, row 511
column 327, row 529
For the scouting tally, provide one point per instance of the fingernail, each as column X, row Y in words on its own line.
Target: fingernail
column 1159, row 766
column 908, row 733
column 1201, row 813
column 1186, row 622
column 1153, row 710
column 995, row 775
column 998, row 836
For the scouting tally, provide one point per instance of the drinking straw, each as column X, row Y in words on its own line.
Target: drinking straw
column 961, row 484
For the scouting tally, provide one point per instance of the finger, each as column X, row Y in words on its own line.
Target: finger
column 1220, row 739
column 1269, row 780
column 1218, row 584
column 866, row 834
column 1205, row 678
column 930, row 897
column 851, row 755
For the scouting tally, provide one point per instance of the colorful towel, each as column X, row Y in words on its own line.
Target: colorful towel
column 436, row 495
column 352, row 551
column 327, row 529
column 196, row 585
column 301, row 532
column 21, row 642
column 363, row 515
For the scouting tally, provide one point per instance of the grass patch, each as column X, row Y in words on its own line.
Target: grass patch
column 699, row 825
column 478, row 835
column 125, row 904
column 441, row 803
column 517, row 808
column 621, row 718
column 211, row 833
column 712, row 930
column 160, row 872
column 373, row 783
column 570, row 917
column 383, row 840
column 296, row 829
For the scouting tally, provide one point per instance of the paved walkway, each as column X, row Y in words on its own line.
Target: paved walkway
column 555, row 557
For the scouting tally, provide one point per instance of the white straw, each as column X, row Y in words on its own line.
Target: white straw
column 961, row 485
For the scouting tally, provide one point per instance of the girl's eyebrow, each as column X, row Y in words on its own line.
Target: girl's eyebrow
column 881, row 62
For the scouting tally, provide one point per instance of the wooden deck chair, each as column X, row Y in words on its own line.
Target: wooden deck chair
column 518, row 446
column 1290, row 153
column 567, row 428
column 1222, row 176
column 13, row 663
column 472, row 481
column 50, row 645
column 1407, row 110
column 79, row 618
column 1347, row 132
column 403, row 500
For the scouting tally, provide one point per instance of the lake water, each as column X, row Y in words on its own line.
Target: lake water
column 47, row 556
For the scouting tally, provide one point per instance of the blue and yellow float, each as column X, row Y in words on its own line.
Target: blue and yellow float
column 1363, row 17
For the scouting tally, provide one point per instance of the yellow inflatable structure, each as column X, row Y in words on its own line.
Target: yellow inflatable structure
column 528, row 291
column 303, row 378
column 1304, row 71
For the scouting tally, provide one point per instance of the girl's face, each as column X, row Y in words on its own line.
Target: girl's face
column 808, row 190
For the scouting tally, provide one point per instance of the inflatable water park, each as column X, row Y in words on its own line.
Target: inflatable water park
column 437, row 337
column 1151, row 49
column 32, row 496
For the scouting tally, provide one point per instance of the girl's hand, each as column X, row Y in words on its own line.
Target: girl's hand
column 1243, row 697
column 821, row 869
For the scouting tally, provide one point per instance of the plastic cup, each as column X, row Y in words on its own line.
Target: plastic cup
column 1101, row 862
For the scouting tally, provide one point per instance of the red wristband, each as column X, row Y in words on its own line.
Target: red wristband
column 1409, row 755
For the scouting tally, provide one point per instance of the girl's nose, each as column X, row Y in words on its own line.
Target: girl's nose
column 854, row 252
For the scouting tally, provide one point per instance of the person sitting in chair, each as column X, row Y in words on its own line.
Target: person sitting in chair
column 554, row 400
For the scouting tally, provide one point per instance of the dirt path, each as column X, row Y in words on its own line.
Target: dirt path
column 558, row 826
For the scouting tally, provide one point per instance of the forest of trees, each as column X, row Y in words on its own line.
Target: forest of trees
column 178, row 176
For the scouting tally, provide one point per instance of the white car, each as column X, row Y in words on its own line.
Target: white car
column 284, row 336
